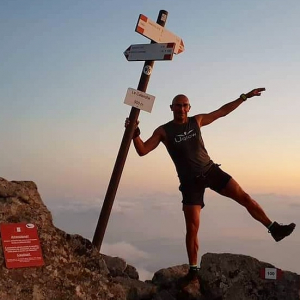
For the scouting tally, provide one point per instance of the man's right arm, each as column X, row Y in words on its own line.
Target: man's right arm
column 142, row 148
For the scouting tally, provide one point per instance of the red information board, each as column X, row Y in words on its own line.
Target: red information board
column 21, row 245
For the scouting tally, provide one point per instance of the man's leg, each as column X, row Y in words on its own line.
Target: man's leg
column 192, row 221
column 235, row 192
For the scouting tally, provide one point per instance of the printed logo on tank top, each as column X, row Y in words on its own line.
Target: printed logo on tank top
column 185, row 136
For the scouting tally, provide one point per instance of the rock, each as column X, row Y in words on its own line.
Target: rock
column 73, row 269
column 137, row 290
column 131, row 272
column 118, row 267
column 230, row 276
column 167, row 279
column 163, row 295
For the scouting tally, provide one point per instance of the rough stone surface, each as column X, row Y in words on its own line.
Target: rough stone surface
column 118, row 267
column 229, row 277
column 74, row 269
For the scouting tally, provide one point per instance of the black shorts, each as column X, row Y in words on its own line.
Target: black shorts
column 193, row 190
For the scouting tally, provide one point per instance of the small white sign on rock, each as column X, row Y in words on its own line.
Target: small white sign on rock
column 271, row 273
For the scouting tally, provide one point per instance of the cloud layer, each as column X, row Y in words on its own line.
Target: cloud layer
column 148, row 231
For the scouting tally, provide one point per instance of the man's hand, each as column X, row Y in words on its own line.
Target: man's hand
column 255, row 92
column 127, row 121
column 137, row 131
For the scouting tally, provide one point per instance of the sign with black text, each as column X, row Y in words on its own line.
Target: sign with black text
column 140, row 52
column 21, row 245
column 139, row 100
column 271, row 273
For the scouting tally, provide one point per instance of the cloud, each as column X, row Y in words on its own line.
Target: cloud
column 295, row 205
column 74, row 204
column 132, row 255
column 120, row 206
column 144, row 274
column 124, row 250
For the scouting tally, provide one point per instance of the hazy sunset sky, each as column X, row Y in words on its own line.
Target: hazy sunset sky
column 63, row 80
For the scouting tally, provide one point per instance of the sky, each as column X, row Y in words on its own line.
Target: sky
column 63, row 81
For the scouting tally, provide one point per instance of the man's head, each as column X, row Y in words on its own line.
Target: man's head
column 180, row 107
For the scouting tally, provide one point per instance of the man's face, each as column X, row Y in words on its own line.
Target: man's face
column 180, row 107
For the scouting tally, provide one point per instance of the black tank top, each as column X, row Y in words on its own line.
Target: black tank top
column 186, row 148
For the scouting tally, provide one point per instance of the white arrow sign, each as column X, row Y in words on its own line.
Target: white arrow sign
column 157, row 33
column 140, row 52
column 139, row 100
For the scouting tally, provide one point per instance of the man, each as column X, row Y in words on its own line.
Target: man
column 196, row 171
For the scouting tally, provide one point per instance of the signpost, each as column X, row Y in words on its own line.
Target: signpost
column 21, row 245
column 157, row 33
column 138, row 98
column 144, row 52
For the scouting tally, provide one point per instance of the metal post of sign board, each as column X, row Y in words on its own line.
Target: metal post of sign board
column 124, row 148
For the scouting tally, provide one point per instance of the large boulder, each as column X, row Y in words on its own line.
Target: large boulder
column 228, row 276
column 239, row 277
column 73, row 269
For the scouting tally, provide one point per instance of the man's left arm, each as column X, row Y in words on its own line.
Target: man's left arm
column 205, row 119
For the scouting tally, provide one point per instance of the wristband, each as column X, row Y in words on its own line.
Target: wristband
column 244, row 97
column 136, row 133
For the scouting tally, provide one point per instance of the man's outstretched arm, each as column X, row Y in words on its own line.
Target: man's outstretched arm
column 205, row 119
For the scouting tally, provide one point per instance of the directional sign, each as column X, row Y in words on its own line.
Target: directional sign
column 163, row 51
column 157, row 33
column 139, row 100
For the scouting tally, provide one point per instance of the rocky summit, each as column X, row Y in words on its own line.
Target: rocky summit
column 74, row 269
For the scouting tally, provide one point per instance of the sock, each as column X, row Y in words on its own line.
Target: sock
column 270, row 225
column 193, row 267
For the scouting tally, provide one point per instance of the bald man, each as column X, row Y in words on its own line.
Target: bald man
column 196, row 171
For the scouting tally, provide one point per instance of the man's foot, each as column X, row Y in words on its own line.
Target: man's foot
column 279, row 231
column 190, row 278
